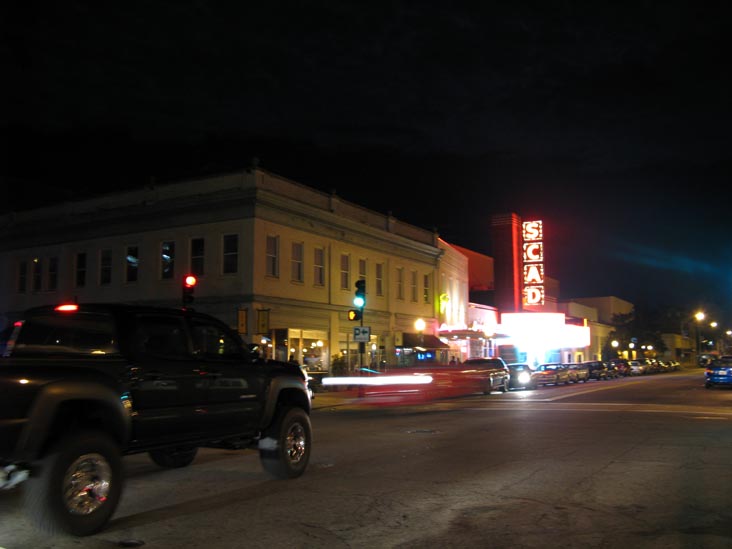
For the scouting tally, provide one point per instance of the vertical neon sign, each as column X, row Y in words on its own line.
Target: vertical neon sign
column 533, row 236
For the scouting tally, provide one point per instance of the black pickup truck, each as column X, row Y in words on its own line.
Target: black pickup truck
column 83, row 385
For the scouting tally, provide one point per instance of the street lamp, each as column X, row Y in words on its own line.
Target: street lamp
column 419, row 325
column 699, row 318
column 615, row 344
column 714, row 343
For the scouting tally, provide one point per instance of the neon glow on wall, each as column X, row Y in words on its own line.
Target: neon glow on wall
column 533, row 254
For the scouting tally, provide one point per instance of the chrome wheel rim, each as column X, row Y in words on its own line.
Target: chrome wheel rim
column 86, row 484
column 296, row 443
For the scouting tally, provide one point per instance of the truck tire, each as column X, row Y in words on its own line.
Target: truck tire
column 173, row 458
column 78, row 486
column 285, row 448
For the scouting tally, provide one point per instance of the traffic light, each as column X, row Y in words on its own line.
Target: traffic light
column 189, row 285
column 354, row 314
column 360, row 299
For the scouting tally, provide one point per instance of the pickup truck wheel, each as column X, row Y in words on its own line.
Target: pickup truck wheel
column 78, row 485
column 285, row 448
column 172, row 458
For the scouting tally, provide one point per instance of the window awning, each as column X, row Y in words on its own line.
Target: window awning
column 426, row 341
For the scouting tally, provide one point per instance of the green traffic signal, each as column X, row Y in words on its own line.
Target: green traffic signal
column 360, row 299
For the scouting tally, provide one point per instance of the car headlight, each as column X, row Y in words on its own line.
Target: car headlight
column 524, row 377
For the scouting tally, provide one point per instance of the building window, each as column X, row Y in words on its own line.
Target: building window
column 426, row 289
column 362, row 269
column 132, row 261
column 400, row 283
column 413, row 288
column 167, row 260
column 105, row 267
column 52, row 281
column 380, row 279
column 319, row 267
column 273, row 256
column 231, row 254
column 197, row 251
column 345, row 272
column 296, row 265
column 80, row 270
column 37, row 274
column 22, row 277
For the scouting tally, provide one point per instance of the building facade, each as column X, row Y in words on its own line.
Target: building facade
column 274, row 258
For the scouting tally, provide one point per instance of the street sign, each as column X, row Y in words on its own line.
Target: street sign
column 362, row 333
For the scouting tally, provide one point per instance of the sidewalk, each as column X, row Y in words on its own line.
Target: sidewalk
column 329, row 399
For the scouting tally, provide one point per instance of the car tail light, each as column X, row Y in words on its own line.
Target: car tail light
column 67, row 308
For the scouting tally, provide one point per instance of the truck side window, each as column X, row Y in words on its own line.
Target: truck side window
column 76, row 333
column 162, row 336
column 212, row 341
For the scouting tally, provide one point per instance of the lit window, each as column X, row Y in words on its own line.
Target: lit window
column 132, row 260
column 167, row 260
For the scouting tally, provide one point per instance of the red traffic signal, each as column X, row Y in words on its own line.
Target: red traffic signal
column 189, row 284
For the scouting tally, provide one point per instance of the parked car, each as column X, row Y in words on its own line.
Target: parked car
column 578, row 372
column 551, row 373
column 613, row 371
column 652, row 366
column 521, row 376
column 492, row 372
column 719, row 372
column 636, row 368
column 621, row 366
column 598, row 370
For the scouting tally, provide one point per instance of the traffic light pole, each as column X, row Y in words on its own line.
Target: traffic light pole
column 359, row 301
column 361, row 346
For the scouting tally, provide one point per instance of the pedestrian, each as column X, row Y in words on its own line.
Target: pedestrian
column 453, row 362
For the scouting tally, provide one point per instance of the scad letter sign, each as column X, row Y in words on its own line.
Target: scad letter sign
column 533, row 237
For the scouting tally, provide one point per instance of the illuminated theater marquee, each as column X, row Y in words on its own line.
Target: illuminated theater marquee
column 533, row 236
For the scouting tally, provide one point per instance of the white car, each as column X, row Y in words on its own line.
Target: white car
column 636, row 368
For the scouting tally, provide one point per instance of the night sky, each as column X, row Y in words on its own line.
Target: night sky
column 611, row 124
